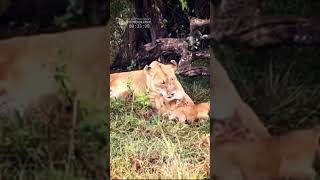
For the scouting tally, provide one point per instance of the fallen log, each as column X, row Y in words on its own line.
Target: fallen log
column 152, row 51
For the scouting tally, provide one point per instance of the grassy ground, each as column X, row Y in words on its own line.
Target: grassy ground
column 149, row 146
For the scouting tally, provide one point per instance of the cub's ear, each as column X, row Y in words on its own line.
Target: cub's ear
column 146, row 69
column 174, row 64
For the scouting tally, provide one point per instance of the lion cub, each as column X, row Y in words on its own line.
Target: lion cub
column 290, row 156
column 178, row 109
column 190, row 113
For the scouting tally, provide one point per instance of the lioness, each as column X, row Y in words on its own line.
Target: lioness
column 290, row 156
column 28, row 64
column 154, row 78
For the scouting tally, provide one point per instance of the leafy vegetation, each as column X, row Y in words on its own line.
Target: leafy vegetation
column 184, row 4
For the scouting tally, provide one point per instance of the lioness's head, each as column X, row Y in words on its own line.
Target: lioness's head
column 161, row 79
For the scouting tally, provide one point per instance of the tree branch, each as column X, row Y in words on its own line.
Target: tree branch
column 195, row 71
column 198, row 24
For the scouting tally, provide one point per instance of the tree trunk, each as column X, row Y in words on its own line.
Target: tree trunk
column 135, row 38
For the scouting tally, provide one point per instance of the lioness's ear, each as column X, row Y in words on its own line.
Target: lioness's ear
column 146, row 69
column 174, row 64
column 153, row 64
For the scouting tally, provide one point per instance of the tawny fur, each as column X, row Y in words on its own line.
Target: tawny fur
column 287, row 157
column 27, row 64
column 177, row 109
column 232, row 130
column 190, row 113
column 156, row 78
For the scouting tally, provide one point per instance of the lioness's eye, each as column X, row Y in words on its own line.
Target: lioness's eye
column 172, row 79
column 163, row 82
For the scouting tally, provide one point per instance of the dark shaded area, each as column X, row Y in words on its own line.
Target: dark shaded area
column 199, row 8
column 258, row 23
column 167, row 20
column 27, row 17
column 173, row 24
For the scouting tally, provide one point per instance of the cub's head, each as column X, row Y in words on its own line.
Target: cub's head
column 161, row 79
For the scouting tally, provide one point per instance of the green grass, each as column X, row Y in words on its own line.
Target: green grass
column 198, row 88
column 144, row 145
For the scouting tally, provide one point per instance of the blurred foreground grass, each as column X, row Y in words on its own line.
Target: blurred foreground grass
column 45, row 145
